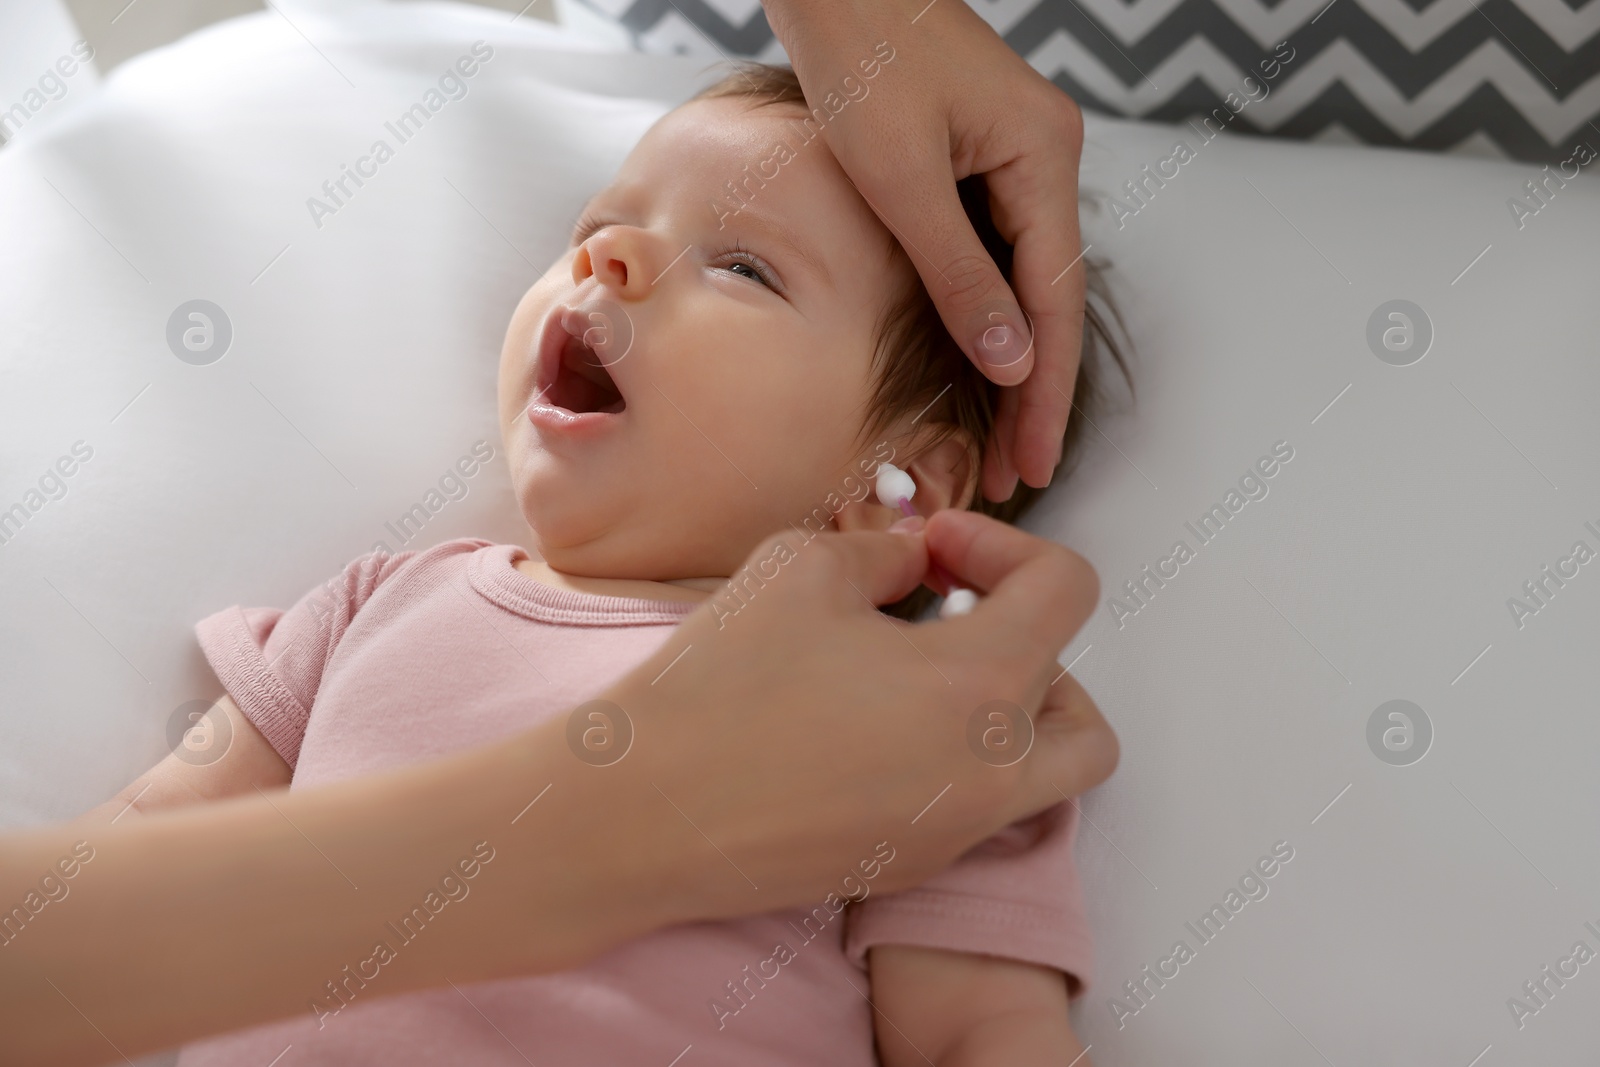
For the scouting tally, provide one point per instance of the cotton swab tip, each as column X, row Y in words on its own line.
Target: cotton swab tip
column 959, row 602
column 894, row 485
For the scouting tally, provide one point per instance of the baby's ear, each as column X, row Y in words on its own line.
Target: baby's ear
column 946, row 475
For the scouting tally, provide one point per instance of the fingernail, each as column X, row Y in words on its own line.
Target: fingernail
column 1003, row 343
column 909, row 525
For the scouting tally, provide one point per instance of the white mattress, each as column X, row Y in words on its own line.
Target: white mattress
column 1377, row 567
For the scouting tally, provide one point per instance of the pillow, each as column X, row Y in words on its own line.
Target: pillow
column 1367, row 490
column 1514, row 77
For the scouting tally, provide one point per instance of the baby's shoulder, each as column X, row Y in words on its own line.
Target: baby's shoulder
column 380, row 568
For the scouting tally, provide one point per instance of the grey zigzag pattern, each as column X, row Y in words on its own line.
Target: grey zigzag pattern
column 1544, row 99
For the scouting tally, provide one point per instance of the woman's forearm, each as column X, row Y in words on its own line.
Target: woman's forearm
column 137, row 956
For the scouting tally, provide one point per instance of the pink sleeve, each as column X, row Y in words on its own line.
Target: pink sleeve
column 1015, row 895
column 271, row 661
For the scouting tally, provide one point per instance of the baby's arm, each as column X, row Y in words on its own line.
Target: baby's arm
column 961, row 1009
column 250, row 760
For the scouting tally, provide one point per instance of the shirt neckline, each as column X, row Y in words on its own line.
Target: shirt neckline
column 493, row 573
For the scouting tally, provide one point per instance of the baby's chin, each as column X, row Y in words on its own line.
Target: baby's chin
column 579, row 540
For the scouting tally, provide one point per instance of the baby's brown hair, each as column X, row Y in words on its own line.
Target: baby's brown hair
column 919, row 367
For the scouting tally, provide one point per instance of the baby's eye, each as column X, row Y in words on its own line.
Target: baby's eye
column 739, row 259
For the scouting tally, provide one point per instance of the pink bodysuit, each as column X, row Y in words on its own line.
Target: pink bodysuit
column 406, row 658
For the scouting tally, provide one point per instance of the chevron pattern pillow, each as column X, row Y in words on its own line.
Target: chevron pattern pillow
column 1514, row 78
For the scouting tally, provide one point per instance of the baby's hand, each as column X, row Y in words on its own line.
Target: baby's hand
column 961, row 1009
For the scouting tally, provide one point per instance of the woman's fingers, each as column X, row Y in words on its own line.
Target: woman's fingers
column 1034, row 203
column 877, row 569
column 1037, row 594
column 916, row 197
column 1074, row 748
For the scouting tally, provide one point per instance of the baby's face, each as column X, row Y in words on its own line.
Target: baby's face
column 737, row 347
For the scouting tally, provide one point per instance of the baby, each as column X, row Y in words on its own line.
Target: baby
column 719, row 354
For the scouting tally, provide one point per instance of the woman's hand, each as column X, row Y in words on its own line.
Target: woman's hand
column 736, row 717
column 954, row 101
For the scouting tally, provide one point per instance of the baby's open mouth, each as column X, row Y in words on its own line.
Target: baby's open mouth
column 573, row 367
column 582, row 382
